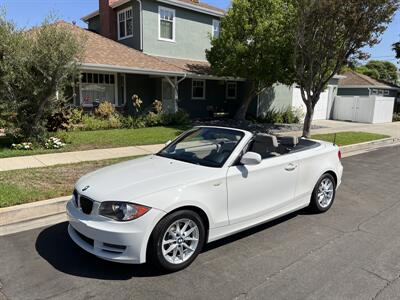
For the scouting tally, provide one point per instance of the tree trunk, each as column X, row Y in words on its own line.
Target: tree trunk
column 244, row 106
column 307, row 121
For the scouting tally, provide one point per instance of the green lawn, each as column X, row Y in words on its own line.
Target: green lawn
column 30, row 185
column 349, row 137
column 87, row 140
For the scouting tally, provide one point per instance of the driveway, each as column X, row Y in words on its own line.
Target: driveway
column 353, row 251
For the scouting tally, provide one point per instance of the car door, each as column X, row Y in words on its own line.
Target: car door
column 257, row 190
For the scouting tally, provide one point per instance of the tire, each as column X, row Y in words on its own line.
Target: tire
column 323, row 194
column 185, row 248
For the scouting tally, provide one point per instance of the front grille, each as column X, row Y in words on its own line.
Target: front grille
column 86, row 205
column 85, row 238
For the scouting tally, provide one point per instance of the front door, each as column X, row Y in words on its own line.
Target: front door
column 168, row 97
column 259, row 190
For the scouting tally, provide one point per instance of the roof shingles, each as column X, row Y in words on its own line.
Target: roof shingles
column 356, row 79
column 100, row 50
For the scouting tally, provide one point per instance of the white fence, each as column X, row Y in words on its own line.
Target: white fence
column 372, row 109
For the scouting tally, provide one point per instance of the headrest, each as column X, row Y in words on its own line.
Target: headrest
column 267, row 140
column 289, row 141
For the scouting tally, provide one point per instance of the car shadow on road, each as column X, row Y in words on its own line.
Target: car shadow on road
column 55, row 246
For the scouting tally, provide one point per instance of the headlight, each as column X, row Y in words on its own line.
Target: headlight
column 122, row 211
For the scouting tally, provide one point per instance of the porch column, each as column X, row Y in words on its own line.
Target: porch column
column 175, row 86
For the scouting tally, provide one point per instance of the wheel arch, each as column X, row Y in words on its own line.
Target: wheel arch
column 333, row 174
column 203, row 215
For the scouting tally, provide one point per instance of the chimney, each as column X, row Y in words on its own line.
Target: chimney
column 108, row 19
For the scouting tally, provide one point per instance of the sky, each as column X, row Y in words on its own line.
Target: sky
column 27, row 13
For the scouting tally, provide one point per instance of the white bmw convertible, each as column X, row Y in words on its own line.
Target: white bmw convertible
column 209, row 183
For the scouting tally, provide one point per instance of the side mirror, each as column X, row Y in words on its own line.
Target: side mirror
column 167, row 143
column 251, row 158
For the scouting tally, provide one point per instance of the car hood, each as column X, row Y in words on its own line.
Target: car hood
column 131, row 180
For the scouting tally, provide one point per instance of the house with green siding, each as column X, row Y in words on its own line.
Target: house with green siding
column 154, row 49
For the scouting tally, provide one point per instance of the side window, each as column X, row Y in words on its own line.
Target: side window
column 125, row 24
column 216, row 28
column 231, row 90
column 198, row 89
column 166, row 24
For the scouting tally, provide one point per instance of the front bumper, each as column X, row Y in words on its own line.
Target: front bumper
column 123, row 242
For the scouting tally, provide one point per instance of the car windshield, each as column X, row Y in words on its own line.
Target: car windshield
column 209, row 147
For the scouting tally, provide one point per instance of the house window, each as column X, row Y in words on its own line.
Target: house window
column 374, row 92
column 386, row 92
column 198, row 89
column 231, row 90
column 97, row 87
column 125, row 24
column 166, row 22
column 216, row 28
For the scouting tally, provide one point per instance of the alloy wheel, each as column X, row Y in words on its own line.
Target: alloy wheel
column 180, row 241
column 325, row 192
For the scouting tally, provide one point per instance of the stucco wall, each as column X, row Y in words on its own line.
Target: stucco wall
column 192, row 31
column 276, row 98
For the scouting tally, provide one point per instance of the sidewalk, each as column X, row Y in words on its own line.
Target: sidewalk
column 46, row 160
column 331, row 126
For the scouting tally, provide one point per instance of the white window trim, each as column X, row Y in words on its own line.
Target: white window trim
column 119, row 33
column 226, row 90
column 212, row 31
column 173, row 24
column 204, row 89
column 96, row 72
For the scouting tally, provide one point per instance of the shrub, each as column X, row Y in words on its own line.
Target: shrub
column 105, row 110
column 181, row 118
column 396, row 117
column 22, row 146
column 76, row 116
column 137, row 103
column 64, row 137
column 35, row 65
column 157, row 106
column 54, row 143
column 114, row 122
column 93, row 123
column 152, row 119
column 60, row 120
column 133, row 122
column 289, row 115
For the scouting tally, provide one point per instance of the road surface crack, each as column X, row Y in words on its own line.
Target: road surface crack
column 375, row 215
column 388, row 283
column 376, row 275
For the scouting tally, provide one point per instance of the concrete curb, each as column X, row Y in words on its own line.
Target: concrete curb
column 38, row 214
column 368, row 146
column 32, row 215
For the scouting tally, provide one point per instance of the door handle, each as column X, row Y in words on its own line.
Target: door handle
column 291, row 167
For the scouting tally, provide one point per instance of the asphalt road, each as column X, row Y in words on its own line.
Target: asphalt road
column 353, row 251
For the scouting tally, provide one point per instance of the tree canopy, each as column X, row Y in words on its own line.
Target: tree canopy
column 254, row 43
column 328, row 34
column 36, row 66
column 380, row 70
